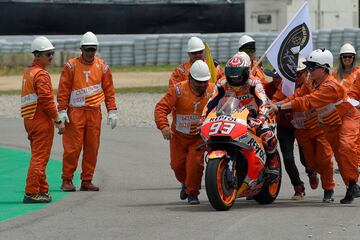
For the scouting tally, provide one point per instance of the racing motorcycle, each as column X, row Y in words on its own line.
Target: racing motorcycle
column 237, row 164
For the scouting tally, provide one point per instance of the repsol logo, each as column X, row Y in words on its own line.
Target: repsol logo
column 258, row 150
column 227, row 118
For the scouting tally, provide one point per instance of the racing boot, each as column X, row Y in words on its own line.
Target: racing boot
column 88, row 186
column 273, row 166
column 183, row 194
column 328, row 196
column 68, row 186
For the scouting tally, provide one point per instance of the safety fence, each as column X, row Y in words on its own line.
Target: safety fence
column 163, row 49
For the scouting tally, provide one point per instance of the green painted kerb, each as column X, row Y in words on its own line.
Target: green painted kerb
column 14, row 165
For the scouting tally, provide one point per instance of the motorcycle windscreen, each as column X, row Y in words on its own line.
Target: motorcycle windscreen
column 228, row 106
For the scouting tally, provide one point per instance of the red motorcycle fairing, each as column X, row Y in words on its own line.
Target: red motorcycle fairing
column 255, row 166
column 223, row 126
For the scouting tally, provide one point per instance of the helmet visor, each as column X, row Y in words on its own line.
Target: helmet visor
column 233, row 72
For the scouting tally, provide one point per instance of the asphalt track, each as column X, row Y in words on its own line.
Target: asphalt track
column 138, row 199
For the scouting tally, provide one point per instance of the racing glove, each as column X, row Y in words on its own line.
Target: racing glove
column 256, row 122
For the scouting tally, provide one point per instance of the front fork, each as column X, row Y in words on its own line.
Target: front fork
column 231, row 173
column 230, row 170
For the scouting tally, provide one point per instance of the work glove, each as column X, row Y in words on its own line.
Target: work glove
column 112, row 118
column 63, row 116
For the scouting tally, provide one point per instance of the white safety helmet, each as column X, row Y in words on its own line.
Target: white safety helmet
column 195, row 44
column 245, row 39
column 89, row 39
column 322, row 57
column 200, row 71
column 301, row 66
column 347, row 48
column 41, row 44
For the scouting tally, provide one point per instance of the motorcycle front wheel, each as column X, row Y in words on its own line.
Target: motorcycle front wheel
column 220, row 193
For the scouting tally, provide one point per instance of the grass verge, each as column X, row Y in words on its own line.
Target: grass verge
column 152, row 89
column 19, row 70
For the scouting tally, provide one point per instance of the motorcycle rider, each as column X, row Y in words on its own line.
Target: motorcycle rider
column 249, row 90
column 186, row 101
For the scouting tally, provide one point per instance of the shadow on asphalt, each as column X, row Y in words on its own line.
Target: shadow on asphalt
column 153, row 189
column 242, row 204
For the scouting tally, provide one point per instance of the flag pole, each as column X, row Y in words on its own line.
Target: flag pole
column 258, row 62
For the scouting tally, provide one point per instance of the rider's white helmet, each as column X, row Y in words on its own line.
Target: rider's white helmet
column 200, row 71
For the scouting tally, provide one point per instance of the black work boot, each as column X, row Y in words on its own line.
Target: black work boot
column 348, row 197
column 355, row 189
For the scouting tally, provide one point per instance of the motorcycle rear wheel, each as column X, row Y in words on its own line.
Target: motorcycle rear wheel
column 270, row 189
column 221, row 196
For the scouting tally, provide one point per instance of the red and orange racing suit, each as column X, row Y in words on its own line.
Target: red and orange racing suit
column 253, row 97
